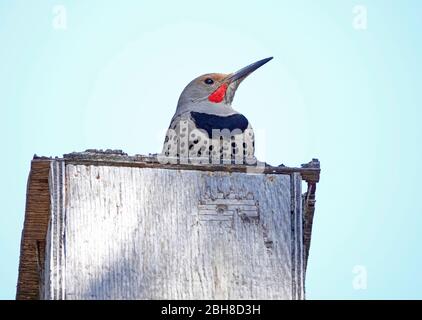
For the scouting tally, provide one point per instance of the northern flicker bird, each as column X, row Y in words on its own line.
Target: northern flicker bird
column 205, row 125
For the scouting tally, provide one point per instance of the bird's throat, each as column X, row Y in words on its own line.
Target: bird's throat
column 218, row 95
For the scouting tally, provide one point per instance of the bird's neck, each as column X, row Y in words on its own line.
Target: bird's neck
column 219, row 109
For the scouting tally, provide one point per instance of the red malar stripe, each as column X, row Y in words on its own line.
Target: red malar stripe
column 218, row 95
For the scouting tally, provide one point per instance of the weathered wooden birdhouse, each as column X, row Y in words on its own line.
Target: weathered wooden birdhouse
column 104, row 225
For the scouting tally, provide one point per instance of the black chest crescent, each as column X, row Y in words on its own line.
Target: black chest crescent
column 208, row 122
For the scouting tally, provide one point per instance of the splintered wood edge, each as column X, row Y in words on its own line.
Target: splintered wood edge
column 37, row 211
column 309, row 172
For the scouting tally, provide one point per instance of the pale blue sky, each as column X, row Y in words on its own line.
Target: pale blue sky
column 351, row 98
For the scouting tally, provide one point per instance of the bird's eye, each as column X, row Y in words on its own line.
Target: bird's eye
column 209, row 81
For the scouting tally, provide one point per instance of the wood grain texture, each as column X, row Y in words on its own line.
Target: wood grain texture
column 55, row 261
column 44, row 260
column 32, row 254
column 146, row 233
column 310, row 172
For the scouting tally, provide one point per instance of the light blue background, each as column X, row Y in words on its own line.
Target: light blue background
column 350, row 98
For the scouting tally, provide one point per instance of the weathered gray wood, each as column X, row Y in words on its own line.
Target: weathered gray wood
column 55, row 260
column 125, row 232
column 309, row 171
column 43, row 257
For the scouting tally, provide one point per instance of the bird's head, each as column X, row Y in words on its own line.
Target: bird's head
column 213, row 93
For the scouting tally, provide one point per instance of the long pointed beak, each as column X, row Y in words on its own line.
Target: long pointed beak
column 233, row 80
column 244, row 72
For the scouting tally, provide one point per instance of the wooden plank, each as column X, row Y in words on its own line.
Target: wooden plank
column 309, row 172
column 32, row 252
column 44, row 192
column 137, row 233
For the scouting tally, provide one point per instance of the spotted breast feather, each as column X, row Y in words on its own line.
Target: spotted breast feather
column 208, row 122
